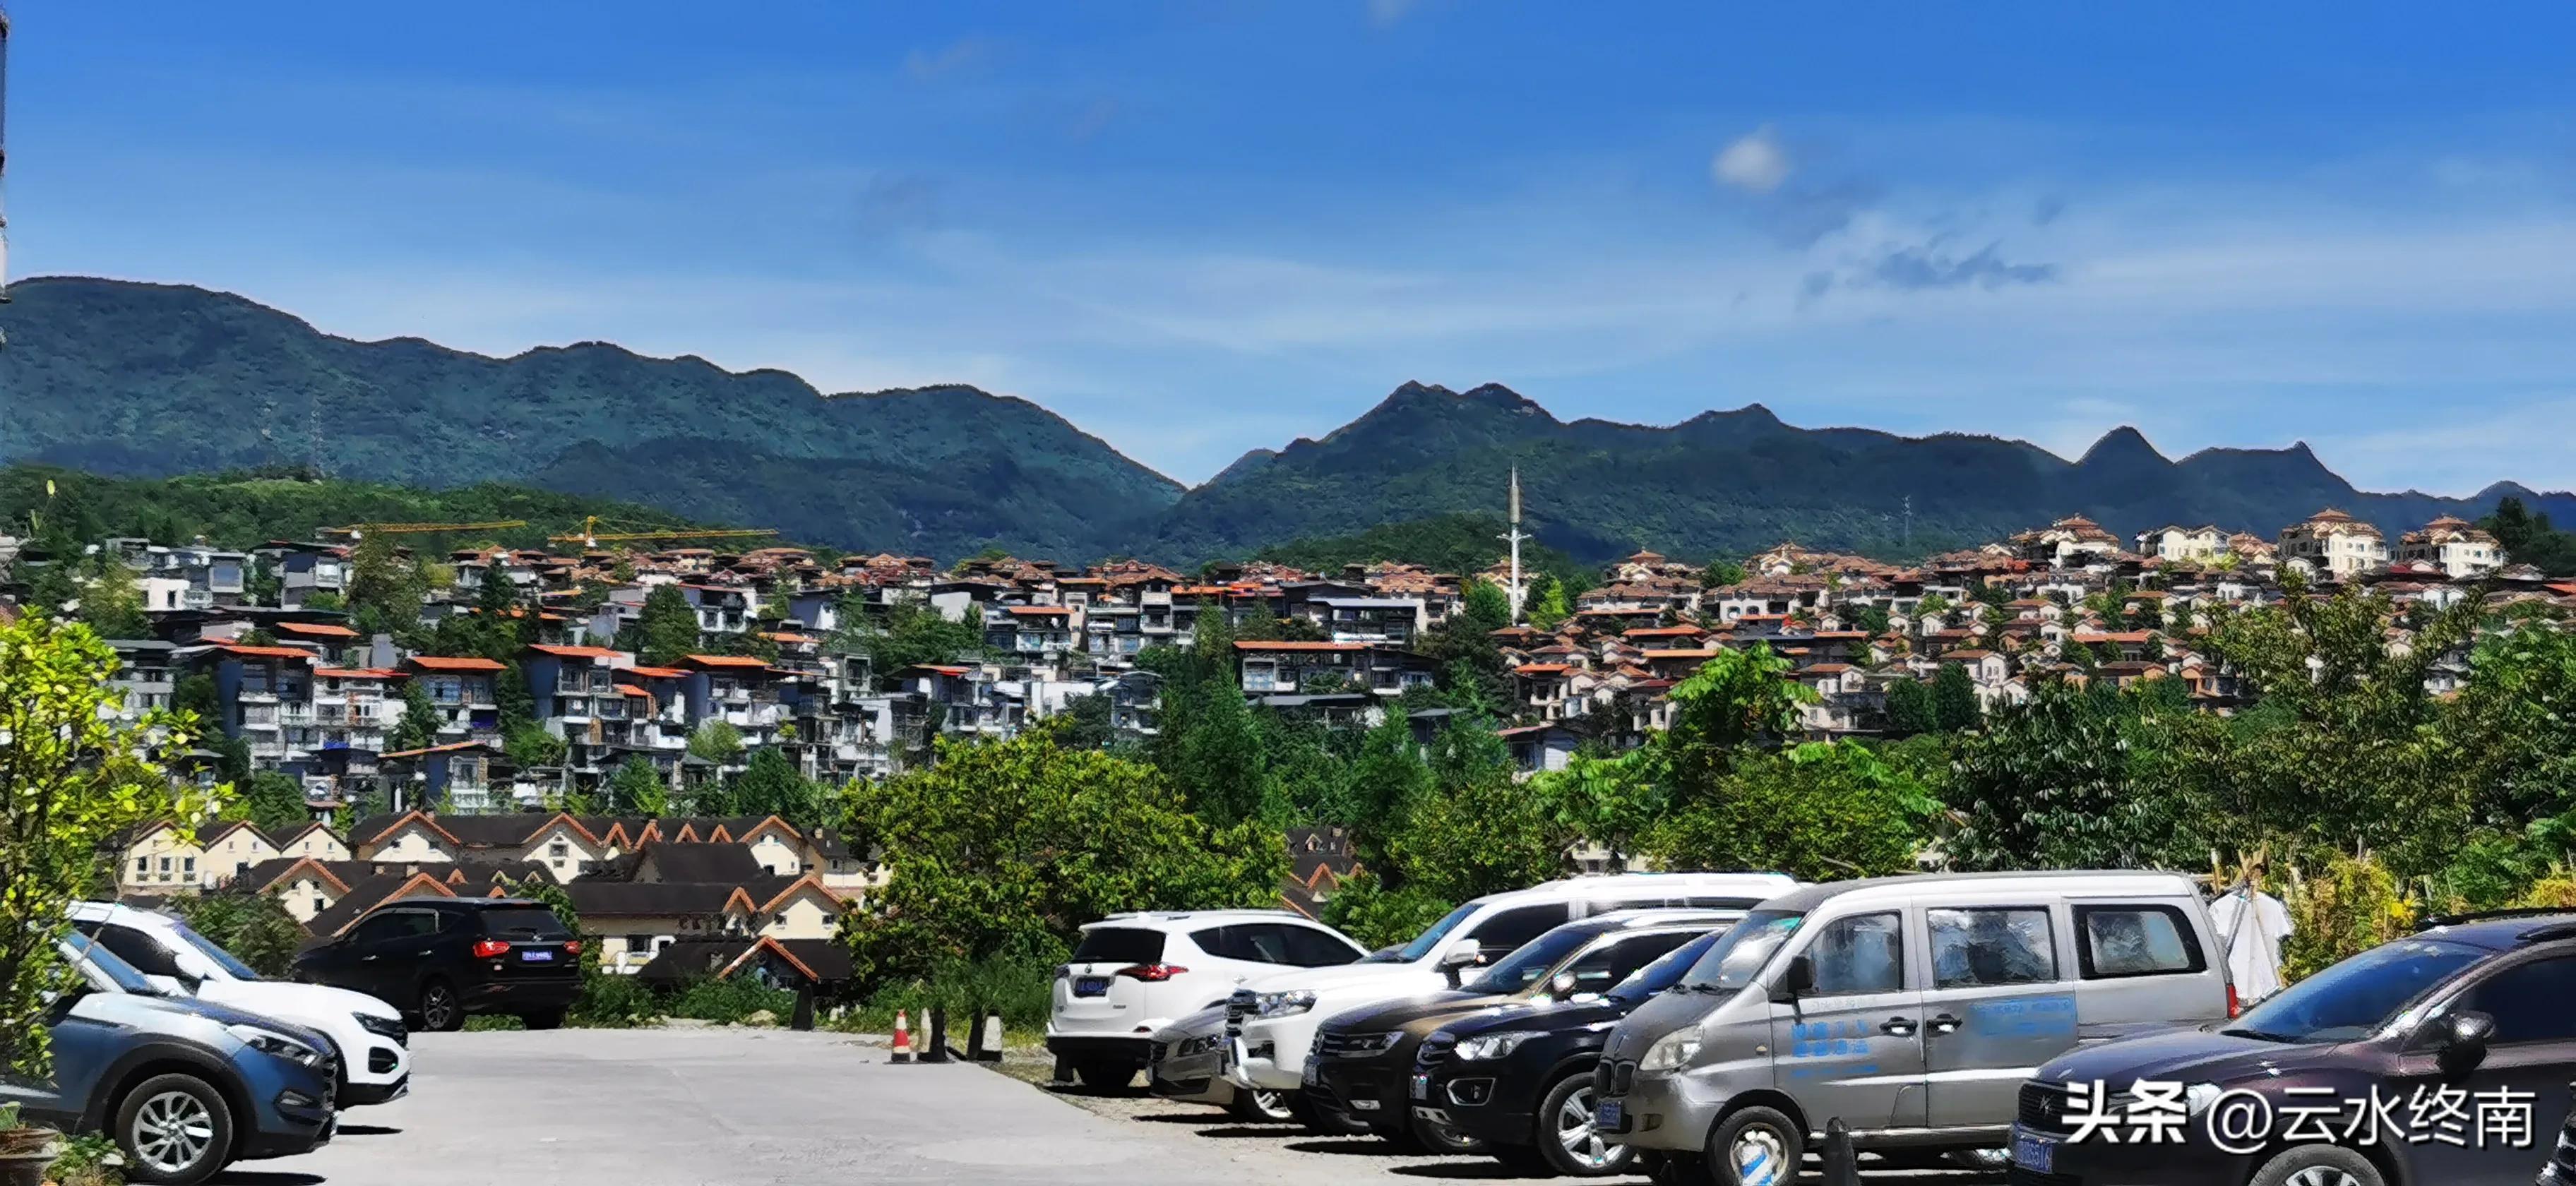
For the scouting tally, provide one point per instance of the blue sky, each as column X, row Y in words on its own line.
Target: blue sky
column 1197, row 228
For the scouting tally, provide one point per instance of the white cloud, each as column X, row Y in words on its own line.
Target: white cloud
column 1755, row 163
column 1387, row 12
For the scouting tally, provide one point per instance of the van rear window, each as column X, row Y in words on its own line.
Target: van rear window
column 2144, row 940
column 1119, row 945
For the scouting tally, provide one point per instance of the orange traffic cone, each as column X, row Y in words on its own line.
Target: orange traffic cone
column 902, row 1037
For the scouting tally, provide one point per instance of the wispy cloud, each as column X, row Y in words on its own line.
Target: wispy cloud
column 1387, row 12
column 1756, row 162
column 957, row 57
column 1927, row 266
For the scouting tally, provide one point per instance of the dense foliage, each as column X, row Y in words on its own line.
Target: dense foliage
column 1461, row 543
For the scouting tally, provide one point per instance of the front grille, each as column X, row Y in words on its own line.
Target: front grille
column 1336, row 1045
column 1237, row 1007
column 1613, row 1078
column 2042, row 1109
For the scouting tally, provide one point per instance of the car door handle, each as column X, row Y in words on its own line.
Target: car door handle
column 1902, row 1027
column 1945, row 1024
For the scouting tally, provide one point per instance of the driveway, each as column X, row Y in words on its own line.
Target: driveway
column 742, row 1107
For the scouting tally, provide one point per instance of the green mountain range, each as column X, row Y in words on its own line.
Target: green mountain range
column 146, row 380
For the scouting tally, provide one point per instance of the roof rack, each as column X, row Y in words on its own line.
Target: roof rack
column 2431, row 921
column 2550, row 933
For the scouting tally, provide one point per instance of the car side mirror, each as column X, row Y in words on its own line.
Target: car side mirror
column 1460, row 958
column 2462, row 1040
column 1796, row 980
column 1561, row 985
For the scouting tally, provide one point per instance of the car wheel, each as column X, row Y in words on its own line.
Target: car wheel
column 1264, row 1106
column 440, row 1011
column 1567, row 1138
column 2319, row 1165
column 1106, row 1074
column 1756, row 1147
column 174, row 1129
column 550, row 1019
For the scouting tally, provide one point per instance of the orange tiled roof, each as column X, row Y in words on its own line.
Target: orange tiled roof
column 454, row 663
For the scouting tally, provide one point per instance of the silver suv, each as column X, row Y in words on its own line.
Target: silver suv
column 1910, row 1008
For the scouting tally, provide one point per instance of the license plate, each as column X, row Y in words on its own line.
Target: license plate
column 1422, row 1087
column 536, row 957
column 2036, row 1154
column 1091, row 986
column 1610, row 1114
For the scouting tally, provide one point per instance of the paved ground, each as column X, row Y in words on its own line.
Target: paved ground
column 732, row 1107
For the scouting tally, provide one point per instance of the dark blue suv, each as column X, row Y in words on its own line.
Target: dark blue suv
column 183, row 1086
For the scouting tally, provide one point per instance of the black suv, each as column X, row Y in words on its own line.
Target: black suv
column 2441, row 1059
column 1520, row 1080
column 440, row 959
column 1363, row 1060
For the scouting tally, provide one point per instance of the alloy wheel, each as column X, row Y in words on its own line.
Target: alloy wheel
column 1578, row 1131
column 1761, row 1157
column 437, row 1007
column 172, row 1132
column 1272, row 1105
column 2322, row 1175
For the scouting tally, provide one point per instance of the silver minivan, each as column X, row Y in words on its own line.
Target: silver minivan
column 1911, row 1008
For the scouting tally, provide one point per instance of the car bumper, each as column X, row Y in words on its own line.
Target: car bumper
column 359, row 1095
column 1667, row 1112
column 292, row 1121
column 1481, row 1103
column 1370, row 1092
column 2103, row 1164
column 1271, row 1055
column 1080, row 1046
column 507, row 996
column 1193, row 1078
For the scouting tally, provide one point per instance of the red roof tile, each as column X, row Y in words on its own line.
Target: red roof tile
column 576, row 652
column 1300, row 646
column 317, row 630
column 450, row 663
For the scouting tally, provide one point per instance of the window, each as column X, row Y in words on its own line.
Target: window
column 187, row 864
column 2122, row 941
column 1311, row 948
column 1861, row 954
column 1988, row 946
column 1508, row 929
column 1120, row 945
column 2528, row 1002
column 1612, row 962
column 142, row 865
column 138, row 949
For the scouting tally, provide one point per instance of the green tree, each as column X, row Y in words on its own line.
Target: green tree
column 1954, row 699
column 417, row 728
column 385, row 589
column 1367, row 910
column 635, row 788
column 194, row 694
column 2529, row 538
column 1909, row 708
column 1388, row 780
column 1088, row 722
column 717, row 741
column 1735, row 700
column 1608, row 800
column 1547, row 603
column 773, row 786
column 1721, row 573
column 912, row 634
column 274, row 802
column 73, row 781
column 112, row 604
column 1001, row 849
column 2082, row 778
column 1933, row 605
column 255, row 928
column 1874, row 619
column 667, row 625
column 1819, row 812
column 530, row 746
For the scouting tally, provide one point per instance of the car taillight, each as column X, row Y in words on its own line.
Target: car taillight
column 487, row 949
column 2235, row 1008
column 572, row 946
column 1151, row 973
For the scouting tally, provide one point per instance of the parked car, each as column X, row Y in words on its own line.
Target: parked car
column 1520, row 1079
column 1183, row 1066
column 1272, row 1022
column 1911, row 1008
column 1363, row 1059
column 183, row 1086
column 441, row 959
column 2476, row 1010
column 368, row 1042
column 1133, row 974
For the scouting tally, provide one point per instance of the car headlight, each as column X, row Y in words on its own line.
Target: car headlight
column 268, row 1041
column 1488, row 1046
column 382, row 1027
column 1283, row 1004
column 2197, row 1098
column 1671, row 1052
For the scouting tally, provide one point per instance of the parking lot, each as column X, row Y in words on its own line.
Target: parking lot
column 774, row 1108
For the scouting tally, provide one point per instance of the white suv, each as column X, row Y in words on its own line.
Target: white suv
column 367, row 1034
column 1272, row 1022
column 1133, row 974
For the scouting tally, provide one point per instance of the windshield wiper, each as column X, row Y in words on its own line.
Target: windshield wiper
column 2258, row 1035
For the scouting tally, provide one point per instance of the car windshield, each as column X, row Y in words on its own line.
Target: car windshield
column 1424, row 942
column 223, row 959
column 111, row 965
column 1666, row 971
column 1530, row 962
column 1739, row 956
column 2352, row 999
column 524, row 922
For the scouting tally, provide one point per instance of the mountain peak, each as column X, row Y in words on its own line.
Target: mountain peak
column 2122, row 445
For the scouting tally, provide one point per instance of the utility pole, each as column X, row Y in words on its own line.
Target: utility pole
column 1909, row 521
column 1515, row 536
column 4, row 163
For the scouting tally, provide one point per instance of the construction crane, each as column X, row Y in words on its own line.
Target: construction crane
column 359, row 531
column 591, row 536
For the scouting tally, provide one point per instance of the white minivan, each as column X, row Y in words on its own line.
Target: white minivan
column 367, row 1034
column 1272, row 1023
column 1133, row 974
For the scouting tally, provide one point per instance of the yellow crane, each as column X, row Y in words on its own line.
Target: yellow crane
column 591, row 536
column 357, row 531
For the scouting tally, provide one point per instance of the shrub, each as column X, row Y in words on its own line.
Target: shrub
column 1019, row 988
column 2349, row 908
column 731, row 1001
